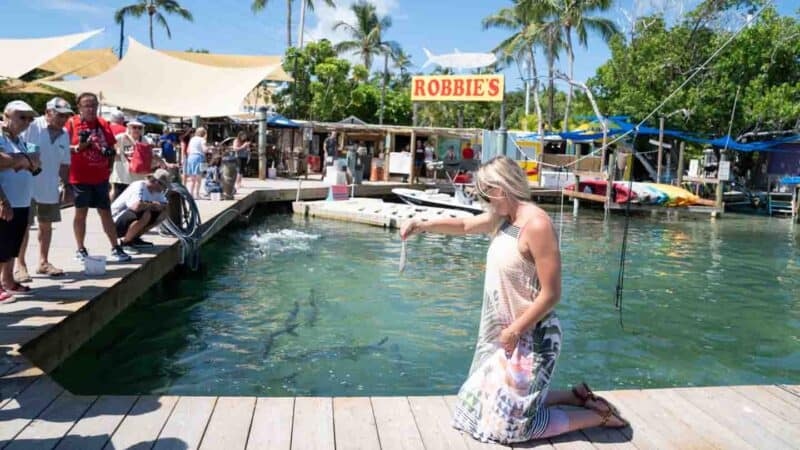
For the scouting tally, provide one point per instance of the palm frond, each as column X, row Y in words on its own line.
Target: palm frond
column 258, row 5
column 161, row 20
column 135, row 10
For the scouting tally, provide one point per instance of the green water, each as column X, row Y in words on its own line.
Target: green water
column 295, row 307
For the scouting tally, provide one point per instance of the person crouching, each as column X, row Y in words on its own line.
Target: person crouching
column 140, row 207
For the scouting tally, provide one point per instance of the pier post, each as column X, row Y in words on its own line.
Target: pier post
column 612, row 167
column 680, row 163
column 575, row 201
column 718, row 204
column 261, row 116
column 413, row 149
column 660, row 147
column 390, row 147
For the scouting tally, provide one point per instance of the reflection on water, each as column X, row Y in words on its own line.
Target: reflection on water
column 295, row 307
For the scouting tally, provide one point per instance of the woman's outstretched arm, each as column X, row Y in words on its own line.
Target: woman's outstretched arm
column 483, row 223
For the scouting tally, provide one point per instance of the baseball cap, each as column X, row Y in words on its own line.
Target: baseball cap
column 163, row 177
column 18, row 105
column 59, row 105
column 135, row 123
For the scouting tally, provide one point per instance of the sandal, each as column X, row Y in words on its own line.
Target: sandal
column 49, row 269
column 613, row 412
column 21, row 275
column 6, row 298
column 17, row 289
column 585, row 396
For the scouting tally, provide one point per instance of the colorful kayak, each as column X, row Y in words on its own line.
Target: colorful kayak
column 648, row 194
column 598, row 187
column 677, row 196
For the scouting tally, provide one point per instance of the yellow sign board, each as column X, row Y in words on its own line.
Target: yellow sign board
column 458, row 88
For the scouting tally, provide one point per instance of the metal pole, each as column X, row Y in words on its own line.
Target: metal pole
column 195, row 121
column 660, row 147
column 503, row 132
column 723, row 156
column 527, row 98
column 612, row 166
column 680, row 163
column 262, row 143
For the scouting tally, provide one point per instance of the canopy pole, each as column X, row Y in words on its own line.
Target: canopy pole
column 262, row 142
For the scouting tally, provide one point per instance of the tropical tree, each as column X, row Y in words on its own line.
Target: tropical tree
column 402, row 62
column 155, row 10
column 259, row 5
column 368, row 42
column 310, row 5
column 577, row 15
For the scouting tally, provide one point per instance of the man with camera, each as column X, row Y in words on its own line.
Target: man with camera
column 18, row 164
column 48, row 135
column 92, row 152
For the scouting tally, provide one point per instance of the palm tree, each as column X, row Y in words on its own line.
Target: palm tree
column 402, row 62
column 310, row 5
column 367, row 41
column 527, row 20
column 259, row 5
column 153, row 9
column 575, row 15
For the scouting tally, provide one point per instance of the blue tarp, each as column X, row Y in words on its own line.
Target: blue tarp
column 278, row 120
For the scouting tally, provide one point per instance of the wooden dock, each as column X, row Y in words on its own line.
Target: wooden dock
column 41, row 329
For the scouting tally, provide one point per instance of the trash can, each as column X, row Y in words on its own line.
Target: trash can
column 230, row 167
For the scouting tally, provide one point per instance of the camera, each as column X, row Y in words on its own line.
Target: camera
column 108, row 152
column 83, row 136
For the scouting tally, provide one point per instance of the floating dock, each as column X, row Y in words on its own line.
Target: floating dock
column 372, row 211
column 41, row 329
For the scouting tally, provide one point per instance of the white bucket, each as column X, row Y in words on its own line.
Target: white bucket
column 216, row 196
column 272, row 173
column 94, row 265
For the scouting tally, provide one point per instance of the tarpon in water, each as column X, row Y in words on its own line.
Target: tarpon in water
column 460, row 60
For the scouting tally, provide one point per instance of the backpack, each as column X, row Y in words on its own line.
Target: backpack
column 141, row 161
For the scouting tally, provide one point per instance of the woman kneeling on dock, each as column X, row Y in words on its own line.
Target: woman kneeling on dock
column 506, row 397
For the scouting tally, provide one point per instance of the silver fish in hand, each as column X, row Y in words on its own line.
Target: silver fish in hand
column 403, row 253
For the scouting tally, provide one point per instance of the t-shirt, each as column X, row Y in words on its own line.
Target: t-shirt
column 196, row 145
column 467, row 153
column 89, row 166
column 136, row 192
column 428, row 153
column 419, row 154
column 53, row 155
column 17, row 185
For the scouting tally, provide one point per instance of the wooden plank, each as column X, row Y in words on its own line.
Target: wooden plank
column 143, row 423
column 187, row 423
column 433, row 420
column 608, row 438
column 760, row 395
column 675, row 427
column 22, row 409
column 706, row 425
column 584, row 196
column 272, row 424
column 570, row 441
column 794, row 389
column 54, row 422
column 783, row 394
column 19, row 378
column 313, row 423
column 95, row 428
column 354, row 424
column 472, row 444
column 643, row 434
column 229, row 424
column 737, row 415
column 395, row 421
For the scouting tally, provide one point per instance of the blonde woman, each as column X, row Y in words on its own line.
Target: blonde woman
column 197, row 149
column 507, row 396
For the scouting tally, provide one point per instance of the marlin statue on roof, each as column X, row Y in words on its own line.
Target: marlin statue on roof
column 460, row 60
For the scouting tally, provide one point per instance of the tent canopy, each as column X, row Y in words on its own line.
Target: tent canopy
column 20, row 56
column 278, row 121
column 150, row 81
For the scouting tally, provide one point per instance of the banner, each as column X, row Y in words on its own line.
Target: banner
column 458, row 88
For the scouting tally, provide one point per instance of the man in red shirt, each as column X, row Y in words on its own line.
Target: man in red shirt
column 467, row 152
column 92, row 149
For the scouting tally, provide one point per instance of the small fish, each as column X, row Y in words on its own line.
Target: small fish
column 403, row 253
column 460, row 60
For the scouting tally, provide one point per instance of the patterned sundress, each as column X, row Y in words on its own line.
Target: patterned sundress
column 503, row 398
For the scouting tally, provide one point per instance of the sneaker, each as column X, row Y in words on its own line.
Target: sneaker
column 128, row 248
column 6, row 298
column 119, row 255
column 139, row 242
column 81, row 254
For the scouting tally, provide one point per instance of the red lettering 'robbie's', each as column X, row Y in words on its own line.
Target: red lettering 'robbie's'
column 494, row 87
column 419, row 88
column 458, row 89
column 447, row 88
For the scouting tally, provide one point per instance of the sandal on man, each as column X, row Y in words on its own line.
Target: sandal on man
column 17, row 288
column 21, row 275
column 49, row 269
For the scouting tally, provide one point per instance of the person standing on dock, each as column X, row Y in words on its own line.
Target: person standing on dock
column 329, row 152
column 47, row 133
column 92, row 145
column 507, row 396
column 19, row 164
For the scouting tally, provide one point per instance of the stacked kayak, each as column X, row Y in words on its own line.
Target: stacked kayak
column 642, row 193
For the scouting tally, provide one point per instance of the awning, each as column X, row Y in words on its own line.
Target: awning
column 279, row 121
column 150, row 81
column 20, row 56
column 83, row 63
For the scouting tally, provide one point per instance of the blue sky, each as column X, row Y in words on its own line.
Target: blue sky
column 228, row 26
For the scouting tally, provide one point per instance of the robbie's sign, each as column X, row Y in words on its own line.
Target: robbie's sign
column 459, row 88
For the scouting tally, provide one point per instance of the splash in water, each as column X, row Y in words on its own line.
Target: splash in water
column 283, row 241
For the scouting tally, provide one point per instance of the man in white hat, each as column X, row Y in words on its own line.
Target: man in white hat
column 16, row 192
column 131, row 141
column 142, row 206
column 47, row 133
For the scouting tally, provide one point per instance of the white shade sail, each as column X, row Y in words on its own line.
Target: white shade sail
column 20, row 56
column 150, row 81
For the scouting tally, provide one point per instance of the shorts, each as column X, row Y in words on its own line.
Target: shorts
column 92, row 195
column 242, row 165
column 123, row 221
column 44, row 212
column 12, row 233
column 194, row 164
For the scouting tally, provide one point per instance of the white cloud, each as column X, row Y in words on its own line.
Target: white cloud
column 71, row 6
column 328, row 17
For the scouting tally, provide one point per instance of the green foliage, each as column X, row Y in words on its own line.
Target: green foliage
column 762, row 62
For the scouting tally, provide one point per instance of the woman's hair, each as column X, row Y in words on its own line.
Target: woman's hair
column 200, row 132
column 242, row 136
column 505, row 173
column 187, row 135
column 216, row 161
